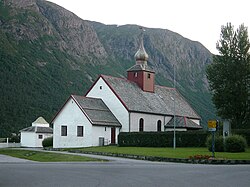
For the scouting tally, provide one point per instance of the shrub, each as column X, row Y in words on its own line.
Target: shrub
column 244, row 132
column 14, row 139
column 235, row 143
column 48, row 142
column 219, row 144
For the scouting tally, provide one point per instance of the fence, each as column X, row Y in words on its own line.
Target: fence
column 4, row 143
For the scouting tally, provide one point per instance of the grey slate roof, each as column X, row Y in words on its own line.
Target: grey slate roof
column 182, row 122
column 96, row 111
column 38, row 129
column 160, row 102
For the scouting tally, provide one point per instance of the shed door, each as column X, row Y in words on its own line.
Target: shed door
column 113, row 135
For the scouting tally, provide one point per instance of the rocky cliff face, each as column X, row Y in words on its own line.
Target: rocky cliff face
column 48, row 53
column 78, row 35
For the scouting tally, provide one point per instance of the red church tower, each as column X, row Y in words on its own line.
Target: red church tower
column 141, row 73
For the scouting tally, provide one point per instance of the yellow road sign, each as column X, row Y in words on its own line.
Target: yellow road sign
column 211, row 124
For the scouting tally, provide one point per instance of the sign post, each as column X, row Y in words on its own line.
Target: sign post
column 212, row 127
column 213, row 143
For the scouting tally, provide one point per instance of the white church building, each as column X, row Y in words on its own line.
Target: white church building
column 114, row 105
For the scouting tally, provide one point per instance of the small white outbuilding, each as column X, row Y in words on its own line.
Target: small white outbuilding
column 33, row 136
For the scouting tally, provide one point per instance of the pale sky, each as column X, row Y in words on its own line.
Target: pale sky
column 198, row 20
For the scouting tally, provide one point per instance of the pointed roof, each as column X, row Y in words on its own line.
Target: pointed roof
column 40, row 120
column 160, row 102
column 141, row 57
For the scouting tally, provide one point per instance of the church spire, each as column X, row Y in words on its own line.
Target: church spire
column 141, row 55
column 141, row 73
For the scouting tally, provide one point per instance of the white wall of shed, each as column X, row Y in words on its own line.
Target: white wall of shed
column 28, row 139
column 31, row 139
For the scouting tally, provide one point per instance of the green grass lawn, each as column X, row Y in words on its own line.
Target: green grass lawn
column 169, row 152
column 45, row 156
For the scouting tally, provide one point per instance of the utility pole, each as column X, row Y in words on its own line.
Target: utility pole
column 174, row 140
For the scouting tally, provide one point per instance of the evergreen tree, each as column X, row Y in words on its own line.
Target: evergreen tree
column 229, row 76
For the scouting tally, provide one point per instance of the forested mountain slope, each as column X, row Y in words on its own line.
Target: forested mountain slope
column 48, row 53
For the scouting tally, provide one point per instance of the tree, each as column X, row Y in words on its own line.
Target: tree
column 229, row 76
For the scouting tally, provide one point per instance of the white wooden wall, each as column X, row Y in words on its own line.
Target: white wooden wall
column 112, row 102
column 71, row 116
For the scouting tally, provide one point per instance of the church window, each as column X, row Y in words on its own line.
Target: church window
column 100, row 87
column 80, row 131
column 63, row 130
column 141, row 125
column 40, row 136
column 135, row 74
column 148, row 75
column 159, row 125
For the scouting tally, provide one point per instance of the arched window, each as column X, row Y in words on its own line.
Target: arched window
column 159, row 125
column 141, row 125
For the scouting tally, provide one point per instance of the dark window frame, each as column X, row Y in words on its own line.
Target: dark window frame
column 159, row 126
column 64, row 130
column 141, row 125
column 40, row 136
column 149, row 75
column 80, row 131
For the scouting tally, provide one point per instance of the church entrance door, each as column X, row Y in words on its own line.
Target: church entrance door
column 113, row 135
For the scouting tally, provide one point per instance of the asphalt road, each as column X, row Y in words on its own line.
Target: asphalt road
column 122, row 173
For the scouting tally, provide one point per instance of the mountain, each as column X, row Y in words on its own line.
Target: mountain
column 48, row 53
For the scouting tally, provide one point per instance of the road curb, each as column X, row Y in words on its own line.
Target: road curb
column 163, row 159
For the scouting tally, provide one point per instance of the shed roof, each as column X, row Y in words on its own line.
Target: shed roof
column 38, row 129
column 160, row 102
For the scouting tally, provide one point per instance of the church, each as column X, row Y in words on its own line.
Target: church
column 113, row 105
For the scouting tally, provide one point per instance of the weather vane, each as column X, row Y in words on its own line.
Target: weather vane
column 141, row 34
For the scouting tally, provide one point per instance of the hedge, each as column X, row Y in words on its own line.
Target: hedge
column 163, row 139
